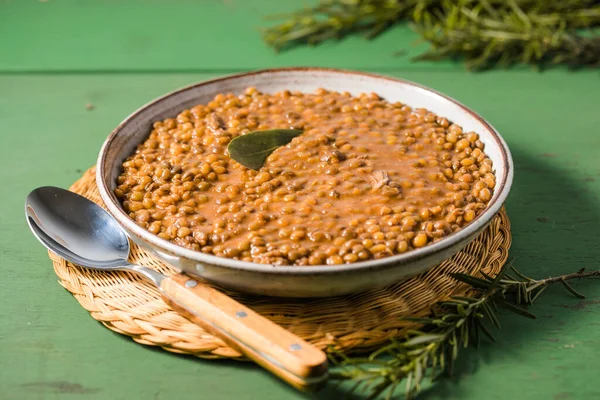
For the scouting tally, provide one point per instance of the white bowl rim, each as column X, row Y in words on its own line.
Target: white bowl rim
column 496, row 203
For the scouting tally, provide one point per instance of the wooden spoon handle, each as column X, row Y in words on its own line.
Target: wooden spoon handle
column 284, row 354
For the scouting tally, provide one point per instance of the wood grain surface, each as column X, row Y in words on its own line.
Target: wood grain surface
column 279, row 351
column 71, row 70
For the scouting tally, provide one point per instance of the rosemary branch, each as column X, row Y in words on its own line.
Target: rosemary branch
column 430, row 349
column 485, row 33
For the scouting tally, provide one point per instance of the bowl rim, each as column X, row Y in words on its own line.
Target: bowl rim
column 114, row 208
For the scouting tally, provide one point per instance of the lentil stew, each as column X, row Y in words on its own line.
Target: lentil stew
column 367, row 179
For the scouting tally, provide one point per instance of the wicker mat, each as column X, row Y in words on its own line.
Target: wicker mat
column 130, row 305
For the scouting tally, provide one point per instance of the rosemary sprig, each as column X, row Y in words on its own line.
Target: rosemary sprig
column 337, row 18
column 485, row 33
column 511, row 33
column 431, row 348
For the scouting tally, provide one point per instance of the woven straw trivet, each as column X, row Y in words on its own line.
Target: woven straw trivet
column 128, row 304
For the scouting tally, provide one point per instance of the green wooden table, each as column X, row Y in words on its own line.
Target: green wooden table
column 59, row 56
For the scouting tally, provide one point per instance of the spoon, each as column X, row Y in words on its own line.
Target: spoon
column 83, row 233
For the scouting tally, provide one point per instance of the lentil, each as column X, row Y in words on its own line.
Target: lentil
column 367, row 179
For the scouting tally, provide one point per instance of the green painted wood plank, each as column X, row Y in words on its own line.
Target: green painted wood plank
column 176, row 35
column 50, row 348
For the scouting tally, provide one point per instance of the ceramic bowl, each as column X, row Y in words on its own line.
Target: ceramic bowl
column 299, row 281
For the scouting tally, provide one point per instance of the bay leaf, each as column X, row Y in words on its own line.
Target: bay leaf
column 252, row 149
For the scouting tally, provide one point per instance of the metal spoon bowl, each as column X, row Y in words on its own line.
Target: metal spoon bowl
column 83, row 233
column 80, row 231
